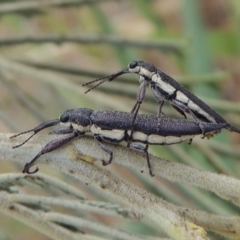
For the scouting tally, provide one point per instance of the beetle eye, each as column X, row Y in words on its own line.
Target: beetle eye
column 133, row 64
column 64, row 118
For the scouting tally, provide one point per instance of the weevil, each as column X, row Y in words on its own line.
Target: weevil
column 165, row 88
column 115, row 127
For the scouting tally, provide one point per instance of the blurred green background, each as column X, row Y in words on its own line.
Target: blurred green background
column 48, row 49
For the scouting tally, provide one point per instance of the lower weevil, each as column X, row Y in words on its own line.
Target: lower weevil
column 115, row 127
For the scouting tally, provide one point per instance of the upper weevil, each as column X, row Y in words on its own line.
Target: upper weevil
column 165, row 88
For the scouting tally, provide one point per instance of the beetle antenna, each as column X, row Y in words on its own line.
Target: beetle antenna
column 104, row 79
column 35, row 131
column 19, row 145
column 96, row 80
column 90, row 89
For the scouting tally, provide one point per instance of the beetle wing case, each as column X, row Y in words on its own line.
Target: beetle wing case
column 149, row 124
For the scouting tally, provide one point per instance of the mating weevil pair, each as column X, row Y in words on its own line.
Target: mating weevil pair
column 115, row 127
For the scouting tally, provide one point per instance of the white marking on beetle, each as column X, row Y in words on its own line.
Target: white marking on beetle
column 145, row 72
column 182, row 97
column 205, row 114
column 93, row 129
column 193, row 106
column 156, row 139
column 80, row 128
column 111, row 134
column 139, row 136
column 65, row 124
column 163, row 85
